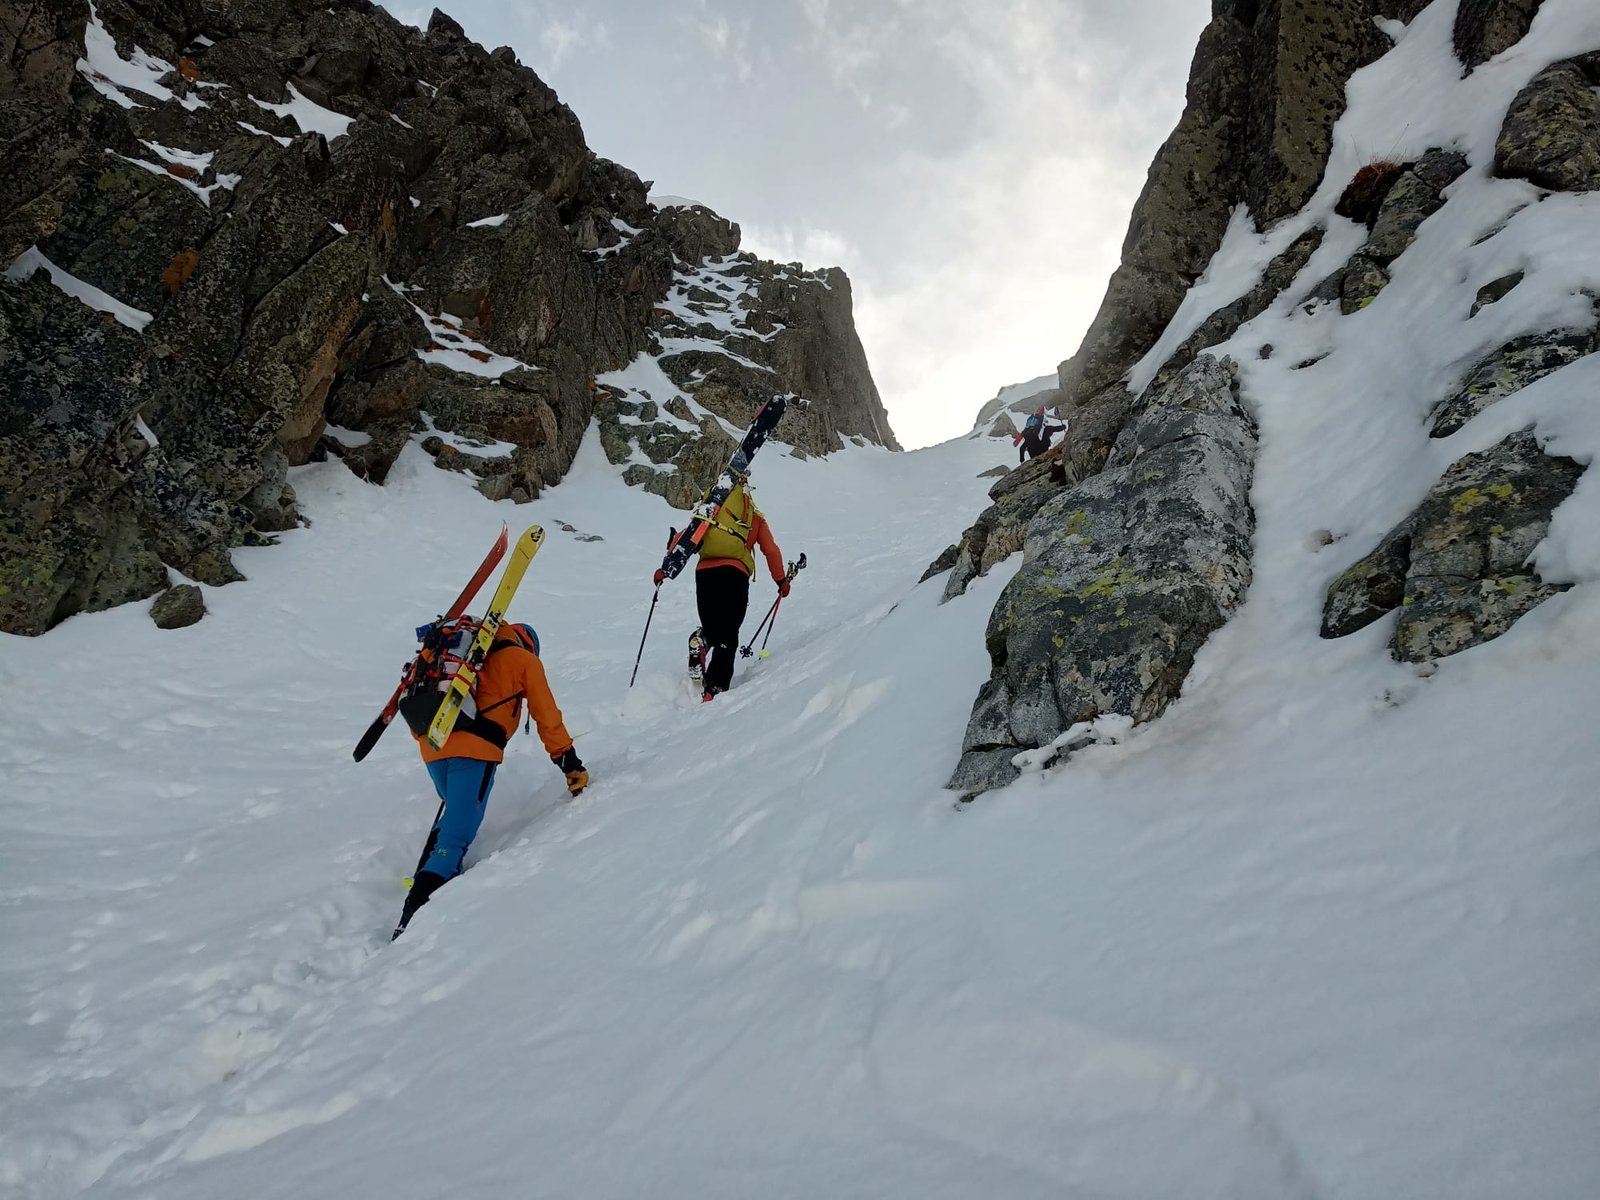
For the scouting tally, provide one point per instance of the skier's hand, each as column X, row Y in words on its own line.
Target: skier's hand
column 660, row 577
column 572, row 766
column 783, row 588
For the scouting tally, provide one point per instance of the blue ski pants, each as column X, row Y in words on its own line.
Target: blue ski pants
column 463, row 784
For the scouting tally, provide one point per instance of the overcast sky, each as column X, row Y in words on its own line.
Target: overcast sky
column 970, row 163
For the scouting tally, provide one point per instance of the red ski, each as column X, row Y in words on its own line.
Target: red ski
column 479, row 577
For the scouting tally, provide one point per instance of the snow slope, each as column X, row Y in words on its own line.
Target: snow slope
column 1326, row 929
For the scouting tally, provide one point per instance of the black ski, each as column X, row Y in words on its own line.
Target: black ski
column 687, row 542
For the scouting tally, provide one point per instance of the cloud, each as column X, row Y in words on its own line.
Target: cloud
column 807, row 244
column 998, row 248
column 728, row 39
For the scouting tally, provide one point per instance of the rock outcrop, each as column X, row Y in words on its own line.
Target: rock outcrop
column 1124, row 576
column 1119, row 635
column 1393, row 199
column 1265, row 88
column 732, row 331
column 1509, row 369
column 1551, row 134
column 999, row 532
column 1458, row 568
column 1485, row 28
column 242, row 237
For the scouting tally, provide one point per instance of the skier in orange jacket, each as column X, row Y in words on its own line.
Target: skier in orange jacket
column 463, row 768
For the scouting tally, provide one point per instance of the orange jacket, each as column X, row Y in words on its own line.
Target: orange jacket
column 760, row 535
column 513, row 674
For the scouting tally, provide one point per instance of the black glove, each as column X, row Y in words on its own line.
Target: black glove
column 572, row 767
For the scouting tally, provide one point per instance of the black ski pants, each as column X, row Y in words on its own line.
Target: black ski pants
column 722, row 595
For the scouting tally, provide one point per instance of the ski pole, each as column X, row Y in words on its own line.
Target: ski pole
column 646, row 634
column 746, row 650
column 770, row 624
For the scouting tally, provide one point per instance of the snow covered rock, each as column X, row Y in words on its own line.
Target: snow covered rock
column 733, row 331
column 1551, row 134
column 1458, row 568
column 695, row 232
column 1413, row 197
column 999, row 414
column 1225, row 322
column 1124, row 576
column 1509, row 369
column 1266, row 85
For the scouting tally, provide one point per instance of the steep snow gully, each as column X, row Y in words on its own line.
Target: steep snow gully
column 1325, row 929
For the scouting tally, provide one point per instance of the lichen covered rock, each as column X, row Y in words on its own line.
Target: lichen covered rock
column 998, row 532
column 1551, row 134
column 1458, row 568
column 1124, row 577
column 1509, row 369
column 1485, row 28
column 178, row 607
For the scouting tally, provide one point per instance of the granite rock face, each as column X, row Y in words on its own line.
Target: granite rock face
column 1000, row 529
column 1124, row 576
column 1458, row 568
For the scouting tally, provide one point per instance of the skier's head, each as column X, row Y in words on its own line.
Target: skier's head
column 526, row 636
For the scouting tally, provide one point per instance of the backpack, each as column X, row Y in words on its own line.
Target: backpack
column 729, row 535
column 445, row 646
column 1033, row 424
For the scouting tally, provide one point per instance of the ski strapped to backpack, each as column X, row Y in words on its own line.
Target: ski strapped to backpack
column 464, row 677
column 479, row 577
column 686, row 542
column 445, row 649
column 683, row 544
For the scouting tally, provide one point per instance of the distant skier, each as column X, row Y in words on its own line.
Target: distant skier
column 722, row 585
column 463, row 770
column 1035, row 437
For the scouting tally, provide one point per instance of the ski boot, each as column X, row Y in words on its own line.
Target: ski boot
column 423, row 886
column 697, row 659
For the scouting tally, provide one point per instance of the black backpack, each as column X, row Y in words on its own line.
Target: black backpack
column 444, row 649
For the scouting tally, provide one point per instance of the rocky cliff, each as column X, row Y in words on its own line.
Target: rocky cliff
column 240, row 236
column 1137, row 544
column 732, row 331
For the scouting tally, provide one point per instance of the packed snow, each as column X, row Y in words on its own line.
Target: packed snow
column 223, row 181
column 248, row 128
column 33, row 259
column 114, row 76
column 1325, row 929
column 455, row 348
column 310, row 116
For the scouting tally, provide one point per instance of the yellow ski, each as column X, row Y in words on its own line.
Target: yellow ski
column 444, row 720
